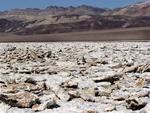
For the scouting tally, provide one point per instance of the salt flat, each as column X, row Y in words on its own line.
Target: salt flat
column 75, row 77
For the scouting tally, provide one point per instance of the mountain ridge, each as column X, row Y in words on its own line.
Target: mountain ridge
column 55, row 19
column 138, row 9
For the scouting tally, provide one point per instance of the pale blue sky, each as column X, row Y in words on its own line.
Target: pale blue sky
column 11, row 4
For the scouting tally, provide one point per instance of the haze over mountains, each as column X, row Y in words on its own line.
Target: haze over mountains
column 55, row 19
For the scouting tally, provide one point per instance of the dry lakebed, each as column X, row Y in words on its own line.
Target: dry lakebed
column 75, row 77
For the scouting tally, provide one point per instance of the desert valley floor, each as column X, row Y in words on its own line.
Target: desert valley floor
column 139, row 33
column 75, row 77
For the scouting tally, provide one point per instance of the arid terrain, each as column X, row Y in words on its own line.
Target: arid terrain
column 132, row 34
column 75, row 77
column 54, row 19
column 77, row 60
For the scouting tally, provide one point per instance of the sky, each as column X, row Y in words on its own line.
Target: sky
column 12, row 4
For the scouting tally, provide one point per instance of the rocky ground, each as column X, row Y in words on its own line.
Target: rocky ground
column 105, row 77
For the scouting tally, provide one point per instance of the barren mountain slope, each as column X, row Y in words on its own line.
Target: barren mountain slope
column 54, row 19
column 139, row 9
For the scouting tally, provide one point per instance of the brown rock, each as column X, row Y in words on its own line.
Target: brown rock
column 135, row 104
column 21, row 99
column 90, row 111
column 140, row 82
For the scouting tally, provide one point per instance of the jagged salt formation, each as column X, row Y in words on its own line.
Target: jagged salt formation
column 75, row 77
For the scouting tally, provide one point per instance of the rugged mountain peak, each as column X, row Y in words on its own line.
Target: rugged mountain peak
column 72, row 7
column 54, row 7
column 138, row 9
column 87, row 7
column 79, row 10
column 143, row 2
column 56, row 11
column 55, row 19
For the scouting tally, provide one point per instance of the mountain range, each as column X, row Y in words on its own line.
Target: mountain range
column 54, row 19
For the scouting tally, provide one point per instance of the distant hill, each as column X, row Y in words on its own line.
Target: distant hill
column 54, row 19
column 139, row 9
